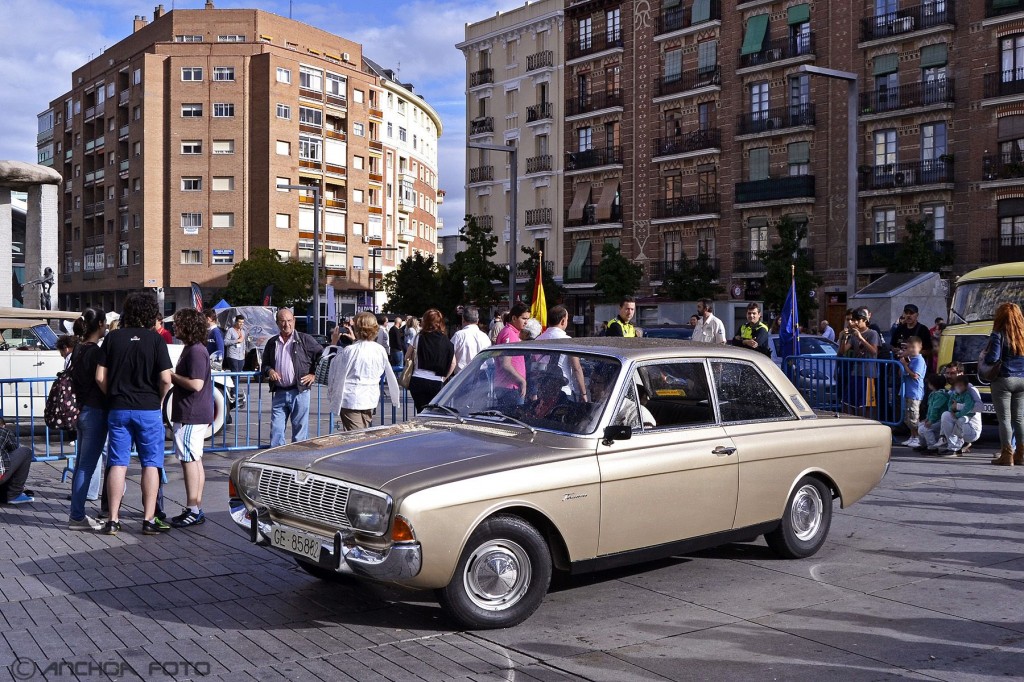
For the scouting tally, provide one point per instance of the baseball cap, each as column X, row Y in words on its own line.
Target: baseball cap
column 910, row 309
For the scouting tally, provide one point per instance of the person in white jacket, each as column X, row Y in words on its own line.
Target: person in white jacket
column 353, row 384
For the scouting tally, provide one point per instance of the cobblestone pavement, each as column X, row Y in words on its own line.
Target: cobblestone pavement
column 923, row 579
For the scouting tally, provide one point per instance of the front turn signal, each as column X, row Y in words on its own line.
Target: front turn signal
column 401, row 531
column 232, row 491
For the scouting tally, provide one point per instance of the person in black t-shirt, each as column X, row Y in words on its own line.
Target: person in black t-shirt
column 90, row 328
column 911, row 327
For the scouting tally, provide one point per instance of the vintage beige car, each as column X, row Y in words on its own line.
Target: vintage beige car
column 616, row 451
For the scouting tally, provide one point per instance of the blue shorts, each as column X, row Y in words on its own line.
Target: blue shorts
column 144, row 429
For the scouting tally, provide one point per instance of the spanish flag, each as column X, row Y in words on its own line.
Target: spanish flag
column 539, row 307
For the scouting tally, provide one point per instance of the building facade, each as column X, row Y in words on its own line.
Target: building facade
column 175, row 142
column 514, row 83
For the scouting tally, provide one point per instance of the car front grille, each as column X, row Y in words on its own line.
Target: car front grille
column 318, row 500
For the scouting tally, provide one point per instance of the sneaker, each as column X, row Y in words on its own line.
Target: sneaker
column 111, row 528
column 21, row 499
column 88, row 523
column 909, row 443
column 154, row 527
column 188, row 518
column 946, row 451
column 161, row 515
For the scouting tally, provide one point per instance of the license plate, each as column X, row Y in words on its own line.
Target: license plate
column 988, row 407
column 296, row 542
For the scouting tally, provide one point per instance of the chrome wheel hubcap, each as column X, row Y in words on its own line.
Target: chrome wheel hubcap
column 497, row 575
column 806, row 512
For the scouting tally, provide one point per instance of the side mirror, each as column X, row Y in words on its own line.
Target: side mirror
column 616, row 432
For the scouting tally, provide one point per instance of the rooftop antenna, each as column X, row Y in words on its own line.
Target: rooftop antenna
column 289, row 9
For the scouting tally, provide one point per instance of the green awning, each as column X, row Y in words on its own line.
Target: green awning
column 934, row 55
column 799, row 152
column 669, row 4
column 579, row 257
column 700, row 12
column 1003, row 4
column 753, row 39
column 798, row 14
column 886, row 64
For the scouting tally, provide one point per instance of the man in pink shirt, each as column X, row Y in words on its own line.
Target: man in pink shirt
column 510, row 371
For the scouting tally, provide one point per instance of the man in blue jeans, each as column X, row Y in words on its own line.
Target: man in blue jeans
column 135, row 373
column 289, row 361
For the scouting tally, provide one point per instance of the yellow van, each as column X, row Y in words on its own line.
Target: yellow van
column 969, row 324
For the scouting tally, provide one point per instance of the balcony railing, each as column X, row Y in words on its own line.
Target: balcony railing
column 992, row 9
column 776, row 119
column 481, row 125
column 485, row 222
column 907, row 96
column 749, row 261
column 1007, row 166
column 1002, row 83
column 538, row 216
column 687, row 80
column 691, row 141
column 539, row 164
column 594, row 43
column 889, row 255
column 678, row 18
column 481, row 77
column 528, row 268
column 779, row 49
column 661, row 269
column 906, row 174
column 481, row 174
column 1002, row 250
column 540, row 60
column 595, row 101
column 908, row 20
column 590, row 217
column 592, row 158
column 538, row 112
column 773, row 189
column 680, row 207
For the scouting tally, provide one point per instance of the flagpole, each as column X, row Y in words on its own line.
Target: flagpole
column 792, row 313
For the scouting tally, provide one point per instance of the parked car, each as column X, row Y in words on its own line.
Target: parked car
column 669, row 331
column 815, row 373
column 679, row 447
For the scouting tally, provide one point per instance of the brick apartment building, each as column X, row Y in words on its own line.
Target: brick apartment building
column 689, row 128
column 173, row 143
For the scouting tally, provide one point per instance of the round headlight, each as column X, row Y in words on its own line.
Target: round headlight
column 368, row 513
column 249, row 483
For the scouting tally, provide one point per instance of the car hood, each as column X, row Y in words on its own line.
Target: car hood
column 403, row 458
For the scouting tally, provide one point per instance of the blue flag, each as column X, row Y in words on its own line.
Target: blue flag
column 789, row 324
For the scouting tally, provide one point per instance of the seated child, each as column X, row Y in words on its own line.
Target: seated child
column 930, row 428
column 960, row 424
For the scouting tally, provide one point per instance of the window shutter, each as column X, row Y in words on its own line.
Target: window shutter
column 673, row 64
column 758, row 163
column 701, row 11
column 707, row 55
column 934, row 55
column 798, row 14
column 753, row 39
column 1010, row 128
column 1010, row 207
column 886, row 64
column 799, row 152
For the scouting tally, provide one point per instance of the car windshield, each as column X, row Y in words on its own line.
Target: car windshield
column 977, row 301
column 565, row 391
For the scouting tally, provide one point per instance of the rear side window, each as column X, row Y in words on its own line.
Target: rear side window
column 672, row 395
column 745, row 395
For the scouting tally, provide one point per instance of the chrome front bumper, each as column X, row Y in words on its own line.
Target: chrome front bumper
column 401, row 561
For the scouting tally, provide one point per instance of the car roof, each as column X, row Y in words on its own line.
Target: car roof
column 644, row 348
column 40, row 316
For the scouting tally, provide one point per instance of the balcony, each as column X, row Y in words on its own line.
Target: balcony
column 339, row 100
column 779, row 49
column 590, row 217
column 907, row 96
column 539, row 112
column 593, row 158
column 376, row 146
column 527, row 269
column 586, row 273
column 122, row 132
column 875, row 256
column 995, row 8
column 677, row 19
column 1002, row 83
column 481, row 174
column 908, row 20
column 681, row 207
column 538, row 216
column 376, row 113
column 749, row 261
column 778, row 118
column 335, row 203
column 484, row 222
column 908, row 174
column 479, row 126
column 662, row 269
column 122, row 97
column 775, row 189
column 540, row 60
column 376, row 177
column 481, row 77
column 311, row 94
column 1009, row 166
column 1002, row 250
column 596, row 101
column 539, row 164
column 688, row 80
column 594, row 43
column 688, row 142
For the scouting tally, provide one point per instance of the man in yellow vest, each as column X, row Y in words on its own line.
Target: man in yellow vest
column 620, row 324
column 753, row 333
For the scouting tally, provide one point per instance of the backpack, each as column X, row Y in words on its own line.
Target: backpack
column 61, row 408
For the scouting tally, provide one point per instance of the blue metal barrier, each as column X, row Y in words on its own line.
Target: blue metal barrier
column 862, row 386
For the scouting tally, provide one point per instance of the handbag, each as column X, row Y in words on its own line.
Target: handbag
column 989, row 372
column 405, row 378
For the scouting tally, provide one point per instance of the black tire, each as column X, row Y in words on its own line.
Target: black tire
column 324, row 573
column 479, row 595
column 806, row 521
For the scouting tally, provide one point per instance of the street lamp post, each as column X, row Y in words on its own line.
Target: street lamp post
column 315, row 189
column 851, row 167
column 375, row 252
column 513, row 152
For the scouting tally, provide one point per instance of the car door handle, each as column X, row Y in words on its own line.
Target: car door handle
column 723, row 451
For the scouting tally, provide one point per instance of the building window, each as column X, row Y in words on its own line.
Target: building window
column 223, row 73
column 759, row 100
column 283, row 181
column 673, row 247
column 136, row 80
column 223, row 110
column 191, row 257
column 231, row 39
column 358, row 129
column 284, row 111
column 613, row 25
column 799, row 94
column 311, row 79
column 757, row 235
column 585, row 33
column 122, row 253
column 585, row 137
column 934, row 217
column 357, row 96
column 357, row 262
column 191, row 73
column 337, row 85
column 310, row 148
column 222, row 184
column 191, row 184
column 403, row 135
column 188, row 39
column 137, row 113
column 191, row 147
column 191, row 222
column 223, row 146
column 223, row 220
column 799, row 158
column 391, row 130
column 284, row 148
column 284, row 75
column 310, row 116
column 758, row 164
column 357, row 162
column 1011, row 59
column 885, row 149
column 885, row 225
column 673, row 65
column 192, row 110
column 933, row 143
column 283, row 221
column 1011, row 230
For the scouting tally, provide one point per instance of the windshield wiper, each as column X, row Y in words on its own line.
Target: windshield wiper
column 503, row 417
column 444, row 408
column 956, row 312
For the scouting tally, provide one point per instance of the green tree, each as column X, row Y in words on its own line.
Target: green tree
column 919, row 252
column 552, row 291
column 616, row 276
column 414, row 286
column 292, row 280
column 694, row 280
column 474, row 266
column 779, row 261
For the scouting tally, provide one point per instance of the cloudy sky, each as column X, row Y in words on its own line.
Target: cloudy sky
column 42, row 41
